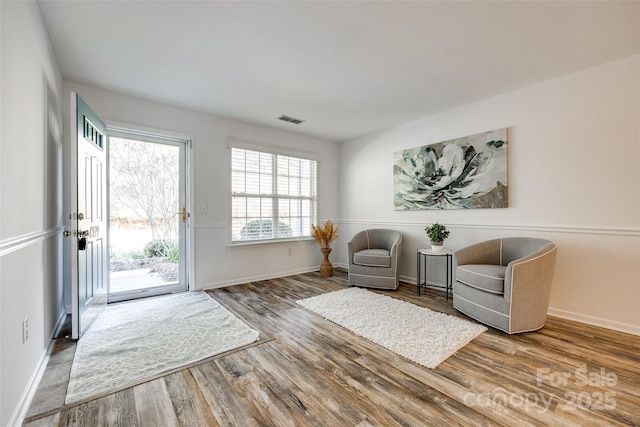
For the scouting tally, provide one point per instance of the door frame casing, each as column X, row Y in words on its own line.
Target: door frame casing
column 128, row 130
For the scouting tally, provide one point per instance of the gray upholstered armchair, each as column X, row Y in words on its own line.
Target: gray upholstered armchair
column 374, row 257
column 506, row 283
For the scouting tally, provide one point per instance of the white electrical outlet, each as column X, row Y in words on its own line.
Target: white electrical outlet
column 202, row 208
column 290, row 252
column 25, row 329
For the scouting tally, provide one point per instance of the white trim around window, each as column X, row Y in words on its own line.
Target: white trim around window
column 270, row 185
column 233, row 142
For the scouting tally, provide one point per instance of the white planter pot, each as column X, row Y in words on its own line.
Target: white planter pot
column 436, row 246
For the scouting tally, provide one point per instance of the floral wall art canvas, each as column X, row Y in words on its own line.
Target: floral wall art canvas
column 463, row 173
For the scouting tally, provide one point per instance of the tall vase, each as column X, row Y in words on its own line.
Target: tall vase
column 326, row 269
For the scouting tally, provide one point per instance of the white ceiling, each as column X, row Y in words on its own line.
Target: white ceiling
column 347, row 68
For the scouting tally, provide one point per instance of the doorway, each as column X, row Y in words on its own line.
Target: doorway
column 148, row 215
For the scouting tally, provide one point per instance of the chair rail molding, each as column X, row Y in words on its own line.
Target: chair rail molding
column 211, row 225
column 14, row 244
column 611, row 231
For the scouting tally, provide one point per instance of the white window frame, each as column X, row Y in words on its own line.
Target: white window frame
column 275, row 151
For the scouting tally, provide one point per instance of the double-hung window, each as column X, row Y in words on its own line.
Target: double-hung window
column 273, row 196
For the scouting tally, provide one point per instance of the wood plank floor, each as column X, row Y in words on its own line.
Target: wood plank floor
column 315, row 373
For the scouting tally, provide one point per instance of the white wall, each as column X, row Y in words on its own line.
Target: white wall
column 574, row 178
column 30, row 212
column 216, row 264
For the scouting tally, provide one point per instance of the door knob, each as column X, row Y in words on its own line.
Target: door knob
column 80, row 216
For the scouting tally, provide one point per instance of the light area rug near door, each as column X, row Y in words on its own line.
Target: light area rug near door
column 417, row 333
column 134, row 341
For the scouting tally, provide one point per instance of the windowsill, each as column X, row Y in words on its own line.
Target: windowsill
column 267, row 241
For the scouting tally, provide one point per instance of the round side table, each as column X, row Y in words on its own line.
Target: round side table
column 421, row 276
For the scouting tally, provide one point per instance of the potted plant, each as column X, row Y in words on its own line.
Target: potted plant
column 325, row 234
column 437, row 233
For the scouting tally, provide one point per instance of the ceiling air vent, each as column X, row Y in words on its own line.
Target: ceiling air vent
column 290, row 119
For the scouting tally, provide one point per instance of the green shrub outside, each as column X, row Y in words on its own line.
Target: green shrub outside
column 162, row 248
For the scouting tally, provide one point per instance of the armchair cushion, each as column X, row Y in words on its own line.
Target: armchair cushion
column 488, row 278
column 373, row 258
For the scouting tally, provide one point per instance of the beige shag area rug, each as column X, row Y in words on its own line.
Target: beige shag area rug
column 416, row 333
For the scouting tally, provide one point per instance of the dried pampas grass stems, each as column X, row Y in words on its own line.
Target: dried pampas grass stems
column 325, row 234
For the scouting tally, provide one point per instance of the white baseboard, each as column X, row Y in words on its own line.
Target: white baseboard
column 30, row 390
column 18, row 416
column 564, row 314
column 578, row 317
column 406, row 279
column 595, row 321
column 249, row 279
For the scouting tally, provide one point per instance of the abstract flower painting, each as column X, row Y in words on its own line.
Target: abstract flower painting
column 463, row 173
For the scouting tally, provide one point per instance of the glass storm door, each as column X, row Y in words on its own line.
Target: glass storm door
column 148, row 215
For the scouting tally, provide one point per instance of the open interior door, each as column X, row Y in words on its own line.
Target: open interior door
column 88, row 216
